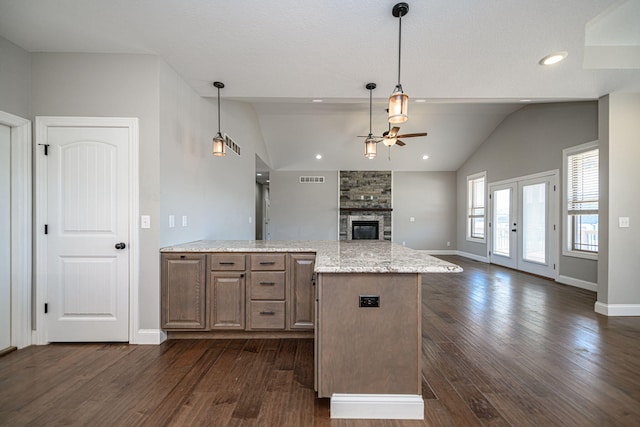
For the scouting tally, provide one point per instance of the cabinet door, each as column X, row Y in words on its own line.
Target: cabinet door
column 183, row 291
column 226, row 300
column 301, row 291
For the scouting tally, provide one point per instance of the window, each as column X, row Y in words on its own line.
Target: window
column 475, row 207
column 581, row 200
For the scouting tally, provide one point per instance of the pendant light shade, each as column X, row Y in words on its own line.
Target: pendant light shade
column 398, row 104
column 370, row 149
column 219, row 146
column 399, row 101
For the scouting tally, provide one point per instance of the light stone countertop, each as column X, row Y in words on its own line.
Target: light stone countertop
column 335, row 256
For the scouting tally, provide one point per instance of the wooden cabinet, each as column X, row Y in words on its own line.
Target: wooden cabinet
column 266, row 300
column 227, row 291
column 226, row 300
column 183, row 291
column 301, row 291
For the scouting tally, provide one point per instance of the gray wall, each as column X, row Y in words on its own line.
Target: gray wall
column 618, row 281
column 430, row 198
column 97, row 85
column 529, row 141
column 303, row 211
column 215, row 193
column 15, row 79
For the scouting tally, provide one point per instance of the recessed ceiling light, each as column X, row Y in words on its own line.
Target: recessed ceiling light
column 425, row 157
column 259, row 174
column 421, row 100
column 316, row 100
column 554, row 58
column 525, row 100
column 318, row 156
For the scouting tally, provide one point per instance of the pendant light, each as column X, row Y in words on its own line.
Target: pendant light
column 399, row 101
column 218, row 141
column 370, row 144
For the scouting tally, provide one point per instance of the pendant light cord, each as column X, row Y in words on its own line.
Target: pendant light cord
column 370, row 94
column 218, row 110
column 399, row 47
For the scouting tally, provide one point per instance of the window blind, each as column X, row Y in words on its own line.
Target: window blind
column 583, row 189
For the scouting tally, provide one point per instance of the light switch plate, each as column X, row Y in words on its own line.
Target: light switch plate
column 172, row 221
column 184, row 220
column 623, row 222
column 145, row 221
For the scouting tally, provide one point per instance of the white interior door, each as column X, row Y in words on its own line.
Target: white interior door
column 523, row 224
column 87, row 184
column 5, row 237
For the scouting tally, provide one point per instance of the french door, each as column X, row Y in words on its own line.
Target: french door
column 523, row 223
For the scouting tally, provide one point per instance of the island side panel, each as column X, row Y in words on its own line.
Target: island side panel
column 367, row 350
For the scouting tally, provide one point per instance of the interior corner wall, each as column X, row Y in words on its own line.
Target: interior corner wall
column 430, row 199
column 530, row 141
column 619, row 278
column 216, row 194
column 303, row 211
column 15, row 79
column 110, row 85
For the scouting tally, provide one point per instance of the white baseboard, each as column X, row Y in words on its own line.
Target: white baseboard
column 473, row 256
column 150, row 336
column 439, row 251
column 617, row 309
column 582, row 284
column 377, row 406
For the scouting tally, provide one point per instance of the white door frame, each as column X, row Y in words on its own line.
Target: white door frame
column 41, row 255
column 20, row 228
column 554, row 213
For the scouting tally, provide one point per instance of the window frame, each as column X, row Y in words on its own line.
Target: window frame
column 567, row 235
column 470, row 180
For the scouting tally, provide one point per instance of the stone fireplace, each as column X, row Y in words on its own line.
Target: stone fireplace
column 365, row 198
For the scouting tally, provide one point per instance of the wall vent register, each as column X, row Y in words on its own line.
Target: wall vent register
column 312, row 180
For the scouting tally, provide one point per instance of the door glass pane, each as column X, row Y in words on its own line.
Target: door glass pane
column 501, row 220
column 534, row 218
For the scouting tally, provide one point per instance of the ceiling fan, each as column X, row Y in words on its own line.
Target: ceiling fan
column 391, row 136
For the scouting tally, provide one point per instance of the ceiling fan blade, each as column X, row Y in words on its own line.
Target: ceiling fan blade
column 411, row 135
column 393, row 132
column 400, row 143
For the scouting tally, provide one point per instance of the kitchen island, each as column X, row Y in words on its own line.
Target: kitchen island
column 363, row 301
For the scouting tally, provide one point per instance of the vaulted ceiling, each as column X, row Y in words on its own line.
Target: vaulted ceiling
column 472, row 62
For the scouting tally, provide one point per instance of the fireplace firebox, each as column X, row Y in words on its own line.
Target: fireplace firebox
column 365, row 227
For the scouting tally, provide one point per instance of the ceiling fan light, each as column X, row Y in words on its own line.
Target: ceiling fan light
column 370, row 148
column 219, row 145
column 389, row 141
column 398, row 106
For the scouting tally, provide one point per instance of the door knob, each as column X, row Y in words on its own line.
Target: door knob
column 120, row 245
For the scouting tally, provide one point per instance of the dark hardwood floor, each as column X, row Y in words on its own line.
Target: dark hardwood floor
column 499, row 348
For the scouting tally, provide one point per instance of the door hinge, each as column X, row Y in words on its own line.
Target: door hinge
column 46, row 229
column 554, row 266
column 554, row 187
column 46, row 149
column 554, row 227
column 489, row 253
column 46, row 308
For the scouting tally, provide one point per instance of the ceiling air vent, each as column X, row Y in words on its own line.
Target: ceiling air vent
column 312, row 180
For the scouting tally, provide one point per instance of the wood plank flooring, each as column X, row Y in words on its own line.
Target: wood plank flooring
column 500, row 348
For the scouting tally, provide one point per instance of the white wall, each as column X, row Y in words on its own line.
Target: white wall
column 215, row 193
column 618, row 282
column 529, row 141
column 303, row 211
column 430, row 198
column 15, row 79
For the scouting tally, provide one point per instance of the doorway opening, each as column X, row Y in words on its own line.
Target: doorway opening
column 262, row 174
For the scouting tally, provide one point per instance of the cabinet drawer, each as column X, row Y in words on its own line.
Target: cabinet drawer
column 267, row 285
column 226, row 262
column 267, row 315
column 267, row 261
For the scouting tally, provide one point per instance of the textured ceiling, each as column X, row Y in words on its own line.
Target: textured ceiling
column 473, row 61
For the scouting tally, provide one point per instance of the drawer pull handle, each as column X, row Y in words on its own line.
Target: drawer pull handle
column 267, row 313
column 226, row 263
column 268, row 283
column 267, row 262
